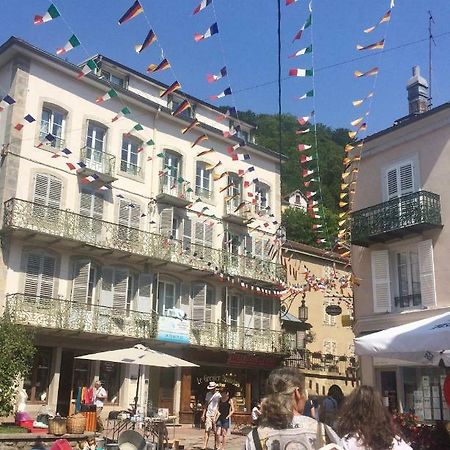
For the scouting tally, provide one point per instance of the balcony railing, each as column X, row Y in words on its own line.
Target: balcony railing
column 325, row 363
column 98, row 160
column 395, row 218
column 61, row 314
column 174, row 187
column 235, row 212
column 130, row 168
column 28, row 216
column 57, row 143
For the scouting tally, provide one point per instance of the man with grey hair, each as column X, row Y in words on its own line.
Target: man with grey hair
column 99, row 398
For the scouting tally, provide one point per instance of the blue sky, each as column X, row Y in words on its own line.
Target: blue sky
column 247, row 44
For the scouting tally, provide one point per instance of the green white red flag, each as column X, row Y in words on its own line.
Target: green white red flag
column 72, row 43
column 52, row 13
column 110, row 94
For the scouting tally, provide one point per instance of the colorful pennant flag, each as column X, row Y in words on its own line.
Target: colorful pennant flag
column 301, row 72
column 303, row 131
column 301, row 52
column 213, row 166
column 303, row 120
column 77, row 165
column 240, row 157
column 52, row 13
column 88, row 67
column 135, row 9
column 193, row 124
column 72, row 43
column 357, row 121
column 307, row 173
column 306, row 95
column 361, row 101
column 203, row 4
column 302, row 147
column 232, row 131
column 232, row 148
column 217, row 177
column 376, row 46
column 149, row 39
column 7, row 100
column 230, row 112
column 184, row 105
column 125, row 111
column 65, row 152
column 175, row 86
column 306, row 25
column 213, row 29
column 89, row 179
column 369, row 73
column 305, row 159
column 201, row 138
column 224, row 93
column 384, row 19
column 290, row 2
column 163, row 65
column 110, row 94
column 214, row 77
column 28, row 118
column 205, row 152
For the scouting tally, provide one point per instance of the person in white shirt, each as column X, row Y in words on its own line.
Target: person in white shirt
column 210, row 412
column 99, row 398
column 256, row 412
column 364, row 423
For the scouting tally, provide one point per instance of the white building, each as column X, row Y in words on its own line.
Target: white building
column 92, row 269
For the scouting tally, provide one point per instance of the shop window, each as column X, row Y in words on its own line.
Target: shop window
column 37, row 383
column 110, row 377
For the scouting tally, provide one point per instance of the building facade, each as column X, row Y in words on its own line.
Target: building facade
column 400, row 245
column 138, row 236
column 322, row 345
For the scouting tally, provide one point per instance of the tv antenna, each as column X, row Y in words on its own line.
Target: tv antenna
column 430, row 66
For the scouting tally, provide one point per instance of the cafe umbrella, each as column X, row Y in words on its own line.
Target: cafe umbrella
column 140, row 355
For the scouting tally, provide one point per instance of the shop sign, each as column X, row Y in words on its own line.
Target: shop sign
column 219, row 379
column 333, row 310
column 251, row 361
column 171, row 329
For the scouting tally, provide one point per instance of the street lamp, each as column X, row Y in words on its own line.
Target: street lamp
column 303, row 312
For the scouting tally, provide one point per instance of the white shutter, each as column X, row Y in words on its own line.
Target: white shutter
column 426, row 265
column 266, row 314
column 187, row 234
column 41, row 184
column 55, row 192
column 166, row 221
column 248, row 245
column 135, row 215
column 80, row 285
column 381, row 283
column 48, row 192
column 47, row 276
column 106, row 298
column 198, row 301
column 120, row 289
column 32, row 271
column 392, row 185
column 144, row 301
column 258, row 250
column 210, row 304
column 185, row 302
column 39, row 275
column 248, row 312
column 258, row 315
column 124, row 212
column 208, row 242
column 406, row 179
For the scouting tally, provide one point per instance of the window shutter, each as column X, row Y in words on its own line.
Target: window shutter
column 144, row 302
column 33, row 266
column 80, row 283
column 208, row 240
column 41, row 185
column 106, row 298
column 392, row 186
column 120, row 290
column 47, row 277
column 257, row 319
column 406, row 179
column 55, row 192
column 124, row 212
column 187, row 233
column 248, row 312
column 267, row 314
column 166, row 220
column 381, row 283
column 259, row 248
column 426, row 265
column 248, row 245
column 198, row 301
column 210, row 304
column 185, row 302
column 135, row 215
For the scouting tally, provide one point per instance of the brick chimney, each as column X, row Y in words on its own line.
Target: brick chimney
column 417, row 88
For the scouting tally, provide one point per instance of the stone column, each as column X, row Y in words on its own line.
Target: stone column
column 54, row 378
column 177, row 393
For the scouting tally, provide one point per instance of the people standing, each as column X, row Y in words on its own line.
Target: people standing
column 209, row 415
column 100, row 396
column 366, row 424
column 225, row 411
column 282, row 424
column 256, row 413
column 310, row 409
column 330, row 405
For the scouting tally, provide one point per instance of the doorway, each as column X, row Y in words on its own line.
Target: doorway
column 388, row 383
column 65, row 383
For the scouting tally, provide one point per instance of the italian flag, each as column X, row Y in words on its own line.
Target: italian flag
column 72, row 43
column 303, row 120
column 301, row 72
column 89, row 67
column 307, row 95
column 52, row 13
column 302, row 147
column 123, row 112
column 301, row 52
column 110, row 94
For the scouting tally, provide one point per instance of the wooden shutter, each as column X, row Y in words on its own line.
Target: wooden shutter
column 80, row 284
column 106, row 298
column 198, row 301
column 266, row 314
column 210, row 304
column 129, row 214
column 47, row 276
column 406, row 176
column 187, row 233
column 135, row 215
column 144, row 300
column 426, row 267
column 392, row 185
column 166, row 221
column 55, row 192
column 120, row 289
column 39, row 275
column 32, row 271
column 248, row 312
column 185, row 298
column 381, row 283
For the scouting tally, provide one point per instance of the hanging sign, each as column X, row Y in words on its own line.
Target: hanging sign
column 333, row 310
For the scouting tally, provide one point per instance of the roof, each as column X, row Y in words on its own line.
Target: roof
column 406, row 121
column 314, row 251
column 288, row 317
column 14, row 41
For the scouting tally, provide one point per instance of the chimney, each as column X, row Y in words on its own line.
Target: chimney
column 417, row 88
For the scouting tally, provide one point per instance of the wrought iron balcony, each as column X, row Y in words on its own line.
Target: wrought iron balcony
column 174, row 191
column 28, row 219
column 411, row 213
column 99, row 162
column 130, row 168
column 60, row 314
column 236, row 212
column 64, row 315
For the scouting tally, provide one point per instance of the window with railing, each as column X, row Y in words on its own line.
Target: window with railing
column 53, row 121
column 203, row 184
column 262, row 195
column 171, row 181
column 407, row 278
column 233, row 198
column 95, row 146
column 130, row 155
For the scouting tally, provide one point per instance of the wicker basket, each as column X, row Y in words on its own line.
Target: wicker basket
column 76, row 424
column 57, row 426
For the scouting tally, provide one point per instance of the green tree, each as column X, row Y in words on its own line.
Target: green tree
column 16, row 358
